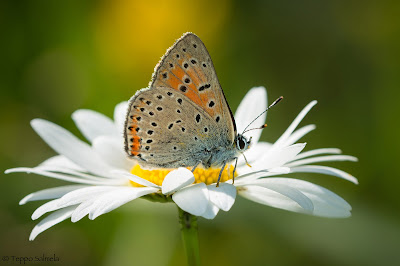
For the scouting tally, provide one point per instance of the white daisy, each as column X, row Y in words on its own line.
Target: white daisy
column 106, row 179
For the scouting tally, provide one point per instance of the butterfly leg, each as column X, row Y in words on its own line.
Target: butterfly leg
column 195, row 166
column 247, row 163
column 234, row 170
column 220, row 173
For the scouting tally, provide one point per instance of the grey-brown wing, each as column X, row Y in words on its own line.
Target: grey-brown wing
column 166, row 129
column 187, row 68
column 182, row 113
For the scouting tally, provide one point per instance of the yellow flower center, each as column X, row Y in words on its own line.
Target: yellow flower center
column 201, row 175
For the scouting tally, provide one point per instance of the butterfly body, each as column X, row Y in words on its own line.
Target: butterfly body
column 183, row 118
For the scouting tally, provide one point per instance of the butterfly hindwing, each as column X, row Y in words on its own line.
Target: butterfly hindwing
column 166, row 129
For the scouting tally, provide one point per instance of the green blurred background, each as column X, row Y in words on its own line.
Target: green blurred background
column 59, row 56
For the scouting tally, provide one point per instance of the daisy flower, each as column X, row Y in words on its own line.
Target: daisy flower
column 104, row 178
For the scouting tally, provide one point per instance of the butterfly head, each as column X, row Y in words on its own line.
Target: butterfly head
column 242, row 144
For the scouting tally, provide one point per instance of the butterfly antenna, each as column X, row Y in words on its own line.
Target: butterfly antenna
column 262, row 127
column 272, row 104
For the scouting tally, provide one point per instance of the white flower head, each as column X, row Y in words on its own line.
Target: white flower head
column 104, row 178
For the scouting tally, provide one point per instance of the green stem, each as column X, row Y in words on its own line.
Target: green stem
column 190, row 237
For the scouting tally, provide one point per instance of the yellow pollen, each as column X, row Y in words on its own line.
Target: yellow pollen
column 201, row 175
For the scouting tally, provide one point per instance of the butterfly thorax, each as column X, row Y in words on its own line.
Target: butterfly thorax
column 218, row 156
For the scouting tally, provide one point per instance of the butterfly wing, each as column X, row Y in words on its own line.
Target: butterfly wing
column 183, row 113
column 187, row 67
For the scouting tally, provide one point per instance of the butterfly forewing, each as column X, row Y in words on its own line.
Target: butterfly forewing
column 183, row 112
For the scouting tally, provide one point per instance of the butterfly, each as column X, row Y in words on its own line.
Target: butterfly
column 183, row 119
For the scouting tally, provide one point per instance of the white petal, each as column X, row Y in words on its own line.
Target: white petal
column 120, row 115
column 193, row 199
column 50, row 193
column 176, row 180
column 51, row 220
column 111, row 150
column 72, row 198
column 298, row 134
column 68, row 178
column 278, row 157
column 82, row 210
column 329, row 158
column 211, row 211
column 317, row 152
column 115, row 199
column 73, row 173
column 253, row 175
column 294, row 124
column 93, row 124
column 319, row 195
column 326, row 203
column 252, row 105
column 70, row 146
column 48, row 207
column 287, row 191
column 249, row 177
column 279, row 170
column 80, row 195
column 324, row 170
column 269, row 197
column 61, row 161
column 135, row 178
column 108, row 201
column 254, row 152
column 223, row 196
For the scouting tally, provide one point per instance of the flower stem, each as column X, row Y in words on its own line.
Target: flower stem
column 190, row 236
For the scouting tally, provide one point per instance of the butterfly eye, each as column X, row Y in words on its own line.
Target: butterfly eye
column 241, row 143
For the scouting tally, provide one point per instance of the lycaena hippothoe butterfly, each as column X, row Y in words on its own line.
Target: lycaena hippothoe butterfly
column 183, row 118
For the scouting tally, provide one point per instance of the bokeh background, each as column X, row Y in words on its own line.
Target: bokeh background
column 59, row 56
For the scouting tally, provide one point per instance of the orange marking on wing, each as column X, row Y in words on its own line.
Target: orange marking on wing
column 191, row 93
column 172, row 82
column 206, row 97
column 137, row 107
column 136, row 140
column 176, row 80
column 201, row 75
column 194, row 77
column 194, row 70
column 178, row 72
column 134, row 146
